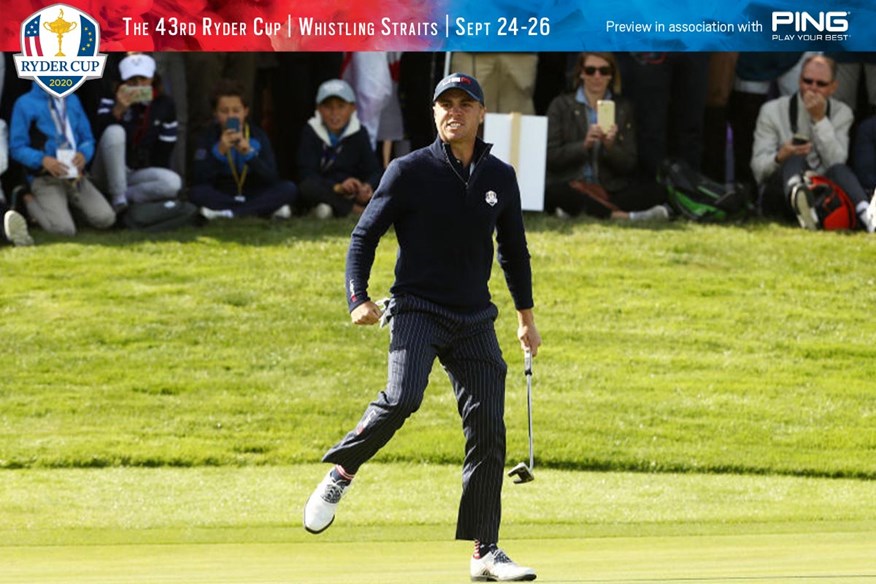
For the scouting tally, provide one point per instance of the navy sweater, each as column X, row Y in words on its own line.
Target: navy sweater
column 210, row 167
column 444, row 226
column 354, row 157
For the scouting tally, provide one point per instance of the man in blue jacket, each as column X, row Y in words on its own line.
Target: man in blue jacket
column 445, row 202
column 51, row 137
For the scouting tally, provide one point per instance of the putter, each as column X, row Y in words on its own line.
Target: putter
column 521, row 472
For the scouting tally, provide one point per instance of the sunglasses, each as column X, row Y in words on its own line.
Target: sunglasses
column 604, row 71
column 818, row 82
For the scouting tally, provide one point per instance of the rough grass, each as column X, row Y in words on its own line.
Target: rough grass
column 685, row 348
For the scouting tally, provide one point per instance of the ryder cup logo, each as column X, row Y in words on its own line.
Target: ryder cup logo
column 59, row 49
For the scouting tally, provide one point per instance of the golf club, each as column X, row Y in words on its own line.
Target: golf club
column 521, row 472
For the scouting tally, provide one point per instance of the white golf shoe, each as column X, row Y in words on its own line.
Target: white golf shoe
column 498, row 567
column 319, row 512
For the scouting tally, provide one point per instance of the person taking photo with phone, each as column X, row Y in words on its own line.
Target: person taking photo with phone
column 137, row 129
column 591, row 150
column 235, row 172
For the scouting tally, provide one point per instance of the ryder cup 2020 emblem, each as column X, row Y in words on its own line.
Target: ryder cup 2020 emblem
column 59, row 49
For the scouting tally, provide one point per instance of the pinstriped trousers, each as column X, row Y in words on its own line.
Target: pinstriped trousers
column 467, row 347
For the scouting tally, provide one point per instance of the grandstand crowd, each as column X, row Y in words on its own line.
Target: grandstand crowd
column 168, row 139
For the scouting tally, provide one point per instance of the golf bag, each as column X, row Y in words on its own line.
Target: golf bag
column 833, row 208
column 699, row 198
column 160, row 215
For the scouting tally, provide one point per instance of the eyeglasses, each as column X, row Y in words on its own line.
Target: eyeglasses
column 818, row 82
column 604, row 71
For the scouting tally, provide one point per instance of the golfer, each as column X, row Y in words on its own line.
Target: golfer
column 445, row 202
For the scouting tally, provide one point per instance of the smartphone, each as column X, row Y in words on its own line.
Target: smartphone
column 232, row 124
column 140, row 93
column 605, row 114
column 799, row 140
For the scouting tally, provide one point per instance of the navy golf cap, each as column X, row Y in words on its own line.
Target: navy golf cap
column 467, row 83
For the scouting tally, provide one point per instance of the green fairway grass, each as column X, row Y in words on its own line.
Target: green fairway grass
column 683, row 348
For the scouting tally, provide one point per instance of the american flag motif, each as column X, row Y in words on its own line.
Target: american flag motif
column 32, row 46
column 88, row 38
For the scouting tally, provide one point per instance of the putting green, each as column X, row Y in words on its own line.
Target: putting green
column 810, row 557
column 243, row 525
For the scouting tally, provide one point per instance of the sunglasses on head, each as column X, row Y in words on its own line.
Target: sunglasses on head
column 818, row 82
column 604, row 71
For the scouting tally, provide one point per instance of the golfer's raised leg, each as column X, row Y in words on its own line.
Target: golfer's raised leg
column 411, row 355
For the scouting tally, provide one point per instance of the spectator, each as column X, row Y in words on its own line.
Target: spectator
column 849, row 69
column 52, row 139
column 138, row 130
column 756, row 75
column 234, row 172
column 14, row 225
column 865, row 154
column 806, row 131
column 508, row 79
column 338, row 168
column 590, row 169
column 293, row 88
column 668, row 91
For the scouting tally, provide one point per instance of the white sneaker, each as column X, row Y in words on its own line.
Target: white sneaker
column 319, row 511
column 498, row 567
column 322, row 211
column 211, row 214
column 801, row 200
column 15, row 229
column 655, row 213
column 870, row 215
column 284, row 212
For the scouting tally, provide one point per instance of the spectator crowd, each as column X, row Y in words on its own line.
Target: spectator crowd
column 166, row 139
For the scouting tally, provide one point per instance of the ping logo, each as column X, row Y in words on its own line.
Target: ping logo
column 59, row 47
column 803, row 21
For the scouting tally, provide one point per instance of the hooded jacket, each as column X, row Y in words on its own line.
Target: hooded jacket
column 352, row 156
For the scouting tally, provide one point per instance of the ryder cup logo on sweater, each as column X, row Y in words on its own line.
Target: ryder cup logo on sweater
column 59, row 49
column 491, row 198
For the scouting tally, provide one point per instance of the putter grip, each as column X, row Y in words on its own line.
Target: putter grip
column 527, row 362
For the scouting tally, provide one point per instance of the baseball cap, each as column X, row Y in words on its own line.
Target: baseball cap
column 467, row 83
column 335, row 88
column 137, row 65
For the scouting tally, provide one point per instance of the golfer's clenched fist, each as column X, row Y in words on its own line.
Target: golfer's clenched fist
column 366, row 313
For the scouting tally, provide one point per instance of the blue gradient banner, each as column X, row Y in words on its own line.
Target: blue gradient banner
column 686, row 25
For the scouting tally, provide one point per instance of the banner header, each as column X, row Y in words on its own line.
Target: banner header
column 487, row 25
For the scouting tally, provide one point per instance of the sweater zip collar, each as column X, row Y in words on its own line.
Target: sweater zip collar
column 480, row 151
